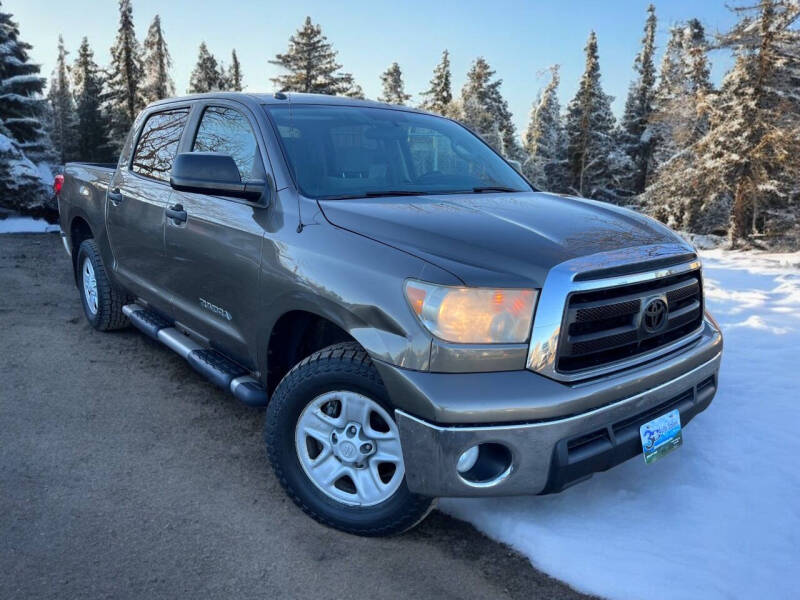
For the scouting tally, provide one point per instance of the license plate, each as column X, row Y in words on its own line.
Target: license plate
column 661, row 436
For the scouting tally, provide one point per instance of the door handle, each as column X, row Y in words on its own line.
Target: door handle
column 115, row 196
column 176, row 213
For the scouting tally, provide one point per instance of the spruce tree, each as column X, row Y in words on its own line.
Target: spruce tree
column 124, row 97
column 158, row 83
column 311, row 66
column 235, row 80
column 681, row 102
column 639, row 107
column 393, row 89
column 595, row 163
column 63, row 121
column 206, row 76
column 22, row 138
column 746, row 166
column 544, row 140
column 21, row 103
column 92, row 130
column 439, row 96
column 486, row 112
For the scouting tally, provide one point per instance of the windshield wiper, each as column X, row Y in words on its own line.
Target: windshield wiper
column 393, row 193
column 493, row 188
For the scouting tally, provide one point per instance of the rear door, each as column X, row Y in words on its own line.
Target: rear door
column 216, row 252
column 137, row 198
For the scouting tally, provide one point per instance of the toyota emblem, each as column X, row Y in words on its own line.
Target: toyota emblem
column 654, row 316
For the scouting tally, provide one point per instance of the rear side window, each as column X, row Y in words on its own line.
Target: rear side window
column 227, row 131
column 158, row 144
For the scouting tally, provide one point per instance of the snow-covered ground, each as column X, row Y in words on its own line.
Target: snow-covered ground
column 18, row 224
column 718, row 518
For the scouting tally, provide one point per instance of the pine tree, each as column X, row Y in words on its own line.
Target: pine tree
column 668, row 117
column 63, row 121
column 22, row 184
column 92, row 130
column 311, row 65
column 206, row 76
column 235, row 80
column 21, row 104
column 124, row 97
column 354, row 91
column 595, row 163
column 747, row 164
column 393, row 88
column 486, row 112
column 439, row 96
column 544, row 140
column 158, row 83
column 638, row 108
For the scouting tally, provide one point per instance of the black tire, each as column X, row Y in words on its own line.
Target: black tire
column 345, row 367
column 110, row 299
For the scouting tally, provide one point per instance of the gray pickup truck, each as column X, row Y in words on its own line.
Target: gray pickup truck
column 417, row 320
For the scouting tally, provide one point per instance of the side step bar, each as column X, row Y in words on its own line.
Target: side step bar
column 214, row 365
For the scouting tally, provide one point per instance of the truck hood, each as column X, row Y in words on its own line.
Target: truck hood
column 497, row 239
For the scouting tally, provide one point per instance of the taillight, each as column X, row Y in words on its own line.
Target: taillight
column 58, row 183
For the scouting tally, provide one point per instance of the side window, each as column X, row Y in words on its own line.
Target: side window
column 158, row 144
column 227, row 131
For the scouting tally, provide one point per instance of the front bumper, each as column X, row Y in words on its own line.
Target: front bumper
column 550, row 454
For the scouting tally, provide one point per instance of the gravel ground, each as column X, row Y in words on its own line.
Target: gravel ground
column 124, row 474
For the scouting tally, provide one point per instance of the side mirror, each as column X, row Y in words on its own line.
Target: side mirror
column 212, row 173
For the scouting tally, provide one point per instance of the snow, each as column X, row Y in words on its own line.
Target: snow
column 720, row 517
column 17, row 224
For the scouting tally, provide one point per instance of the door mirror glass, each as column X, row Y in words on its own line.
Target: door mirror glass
column 213, row 173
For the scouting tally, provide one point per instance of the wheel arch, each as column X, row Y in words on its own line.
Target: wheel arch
column 79, row 230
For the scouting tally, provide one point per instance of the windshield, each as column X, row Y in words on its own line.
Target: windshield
column 353, row 152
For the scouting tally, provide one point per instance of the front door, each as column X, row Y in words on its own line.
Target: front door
column 137, row 198
column 216, row 252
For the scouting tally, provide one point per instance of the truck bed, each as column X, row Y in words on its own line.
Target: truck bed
column 84, row 193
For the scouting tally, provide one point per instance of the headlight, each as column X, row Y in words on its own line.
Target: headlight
column 473, row 315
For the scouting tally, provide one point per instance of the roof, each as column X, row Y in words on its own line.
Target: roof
column 288, row 97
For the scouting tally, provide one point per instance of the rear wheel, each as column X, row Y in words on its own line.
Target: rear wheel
column 102, row 300
column 335, row 446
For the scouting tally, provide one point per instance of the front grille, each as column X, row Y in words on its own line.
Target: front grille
column 604, row 326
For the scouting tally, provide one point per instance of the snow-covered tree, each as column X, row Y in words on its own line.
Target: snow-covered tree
column 596, row 165
column 681, row 102
column 747, row 163
column 393, row 89
column 21, row 103
column 158, row 83
column 63, row 119
column 354, row 91
column 486, row 112
column 235, row 81
column 439, row 96
column 311, row 66
column 638, row 107
column 124, row 84
column 91, row 136
column 544, row 140
column 23, row 184
column 206, row 76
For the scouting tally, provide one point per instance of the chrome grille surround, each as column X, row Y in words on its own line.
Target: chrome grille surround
column 570, row 277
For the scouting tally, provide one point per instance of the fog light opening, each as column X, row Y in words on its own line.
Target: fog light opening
column 468, row 459
column 491, row 464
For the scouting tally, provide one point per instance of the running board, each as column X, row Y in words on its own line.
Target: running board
column 217, row 367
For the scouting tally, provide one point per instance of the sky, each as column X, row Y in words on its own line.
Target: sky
column 519, row 39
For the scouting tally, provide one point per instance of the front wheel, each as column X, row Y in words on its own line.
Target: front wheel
column 335, row 446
